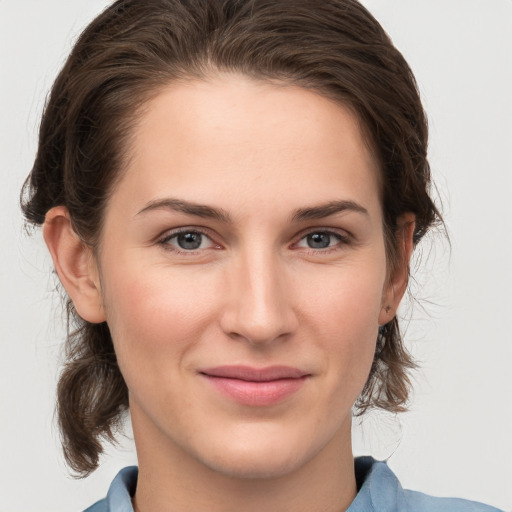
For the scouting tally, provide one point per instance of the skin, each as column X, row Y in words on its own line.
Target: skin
column 254, row 292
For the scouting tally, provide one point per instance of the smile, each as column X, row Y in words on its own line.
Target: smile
column 256, row 386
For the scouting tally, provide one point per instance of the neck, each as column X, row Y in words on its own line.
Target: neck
column 170, row 480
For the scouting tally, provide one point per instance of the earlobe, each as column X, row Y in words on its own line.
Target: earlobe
column 397, row 282
column 75, row 265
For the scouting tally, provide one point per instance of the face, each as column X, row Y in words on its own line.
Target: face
column 243, row 274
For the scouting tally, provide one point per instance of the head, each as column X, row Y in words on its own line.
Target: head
column 139, row 55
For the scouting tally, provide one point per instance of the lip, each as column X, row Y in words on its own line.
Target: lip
column 256, row 386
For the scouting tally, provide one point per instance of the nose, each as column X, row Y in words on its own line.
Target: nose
column 259, row 301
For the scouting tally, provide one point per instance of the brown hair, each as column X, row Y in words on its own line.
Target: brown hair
column 133, row 49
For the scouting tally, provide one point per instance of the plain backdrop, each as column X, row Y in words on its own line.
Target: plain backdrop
column 457, row 438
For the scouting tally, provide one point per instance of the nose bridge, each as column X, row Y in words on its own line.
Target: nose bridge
column 260, row 308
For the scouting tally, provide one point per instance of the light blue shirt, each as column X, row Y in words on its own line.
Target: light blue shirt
column 379, row 491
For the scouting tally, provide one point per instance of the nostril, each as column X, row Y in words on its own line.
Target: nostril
column 257, row 305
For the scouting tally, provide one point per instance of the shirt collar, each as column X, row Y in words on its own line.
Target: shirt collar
column 122, row 489
column 379, row 489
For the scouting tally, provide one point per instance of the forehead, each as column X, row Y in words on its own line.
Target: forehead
column 202, row 139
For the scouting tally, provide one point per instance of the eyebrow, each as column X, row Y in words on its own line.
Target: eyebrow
column 189, row 208
column 327, row 209
column 200, row 210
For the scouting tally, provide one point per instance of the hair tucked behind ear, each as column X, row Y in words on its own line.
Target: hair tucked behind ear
column 91, row 393
column 388, row 384
column 135, row 48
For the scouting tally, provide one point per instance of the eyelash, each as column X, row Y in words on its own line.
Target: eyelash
column 343, row 240
column 164, row 241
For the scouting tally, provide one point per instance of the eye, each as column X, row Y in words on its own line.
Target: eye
column 321, row 240
column 187, row 240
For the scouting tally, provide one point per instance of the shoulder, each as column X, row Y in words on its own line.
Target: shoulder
column 99, row 506
column 420, row 502
column 119, row 496
column 380, row 490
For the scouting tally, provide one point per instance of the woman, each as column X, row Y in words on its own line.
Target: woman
column 231, row 193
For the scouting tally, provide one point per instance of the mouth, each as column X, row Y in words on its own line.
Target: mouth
column 255, row 386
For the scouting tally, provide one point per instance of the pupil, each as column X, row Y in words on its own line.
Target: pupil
column 319, row 240
column 189, row 240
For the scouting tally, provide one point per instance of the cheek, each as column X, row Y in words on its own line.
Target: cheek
column 156, row 317
column 344, row 322
column 347, row 302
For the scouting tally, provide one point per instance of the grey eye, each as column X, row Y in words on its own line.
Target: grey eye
column 318, row 240
column 187, row 240
column 190, row 240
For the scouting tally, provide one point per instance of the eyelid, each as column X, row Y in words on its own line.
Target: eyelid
column 164, row 238
column 342, row 235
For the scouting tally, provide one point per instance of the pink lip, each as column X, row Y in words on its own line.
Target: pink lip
column 256, row 386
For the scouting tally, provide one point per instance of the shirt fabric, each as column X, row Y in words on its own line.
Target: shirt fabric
column 379, row 491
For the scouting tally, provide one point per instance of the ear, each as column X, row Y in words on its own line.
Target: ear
column 75, row 265
column 399, row 274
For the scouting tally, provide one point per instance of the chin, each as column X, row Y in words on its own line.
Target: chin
column 260, row 456
column 255, row 466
